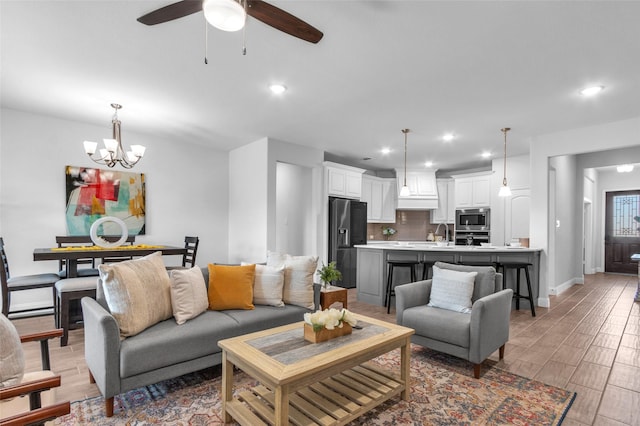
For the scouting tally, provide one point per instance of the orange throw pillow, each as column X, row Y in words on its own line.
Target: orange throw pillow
column 231, row 287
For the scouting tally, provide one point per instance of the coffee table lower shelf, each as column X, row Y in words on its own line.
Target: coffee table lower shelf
column 336, row 400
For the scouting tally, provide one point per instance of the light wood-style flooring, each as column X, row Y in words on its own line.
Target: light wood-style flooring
column 588, row 341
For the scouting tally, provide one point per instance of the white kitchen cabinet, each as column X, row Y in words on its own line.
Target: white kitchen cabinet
column 380, row 197
column 473, row 191
column 423, row 191
column 446, row 211
column 343, row 181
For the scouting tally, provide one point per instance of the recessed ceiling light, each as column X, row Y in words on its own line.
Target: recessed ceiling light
column 447, row 137
column 278, row 89
column 429, row 164
column 590, row 91
column 625, row 168
column 385, row 151
column 486, row 154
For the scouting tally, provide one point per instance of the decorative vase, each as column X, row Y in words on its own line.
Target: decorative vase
column 324, row 334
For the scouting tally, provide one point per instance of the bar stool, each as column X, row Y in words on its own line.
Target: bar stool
column 68, row 290
column 427, row 266
column 411, row 264
column 519, row 266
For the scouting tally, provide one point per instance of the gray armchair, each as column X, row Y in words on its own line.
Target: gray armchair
column 472, row 336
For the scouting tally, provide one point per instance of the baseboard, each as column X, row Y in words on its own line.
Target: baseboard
column 544, row 302
column 565, row 286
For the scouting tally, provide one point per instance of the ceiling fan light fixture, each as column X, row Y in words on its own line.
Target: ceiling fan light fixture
column 226, row 15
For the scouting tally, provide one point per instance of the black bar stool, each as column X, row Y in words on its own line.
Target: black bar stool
column 519, row 266
column 411, row 264
column 426, row 267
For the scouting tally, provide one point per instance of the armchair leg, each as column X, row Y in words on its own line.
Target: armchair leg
column 476, row 370
column 501, row 351
column 108, row 406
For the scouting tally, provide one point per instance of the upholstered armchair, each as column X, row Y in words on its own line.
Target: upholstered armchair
column 473, row 334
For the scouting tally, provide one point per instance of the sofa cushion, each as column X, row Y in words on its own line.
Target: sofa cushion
column 439, row 324
column 268, row 284
column 298, row 277
column 138, row 292
column 188, row 294
column 485, row 282
column 231, row 287
column 264, row 317
column 11, row 354
column 166, row 343
column 452, row 290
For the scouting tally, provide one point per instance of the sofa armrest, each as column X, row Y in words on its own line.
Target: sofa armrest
column 489, row 324
column 410, row 295
column 102, row 346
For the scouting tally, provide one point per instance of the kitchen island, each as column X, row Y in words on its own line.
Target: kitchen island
column 372, row 264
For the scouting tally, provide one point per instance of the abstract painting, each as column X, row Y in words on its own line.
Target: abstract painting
column 95, row 193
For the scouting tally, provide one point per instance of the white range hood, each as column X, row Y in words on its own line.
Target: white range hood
column 423, row 189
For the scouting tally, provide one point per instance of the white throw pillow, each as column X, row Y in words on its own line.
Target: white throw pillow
column 138, row 292
column 188, row 294
column 11, row 354
column 452, row 290
column 268, row 285
column 298, row 277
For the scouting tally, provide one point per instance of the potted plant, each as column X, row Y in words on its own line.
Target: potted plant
column 388, row 231
column 329, row 273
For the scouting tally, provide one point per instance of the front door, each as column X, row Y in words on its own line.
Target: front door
column 622, row 231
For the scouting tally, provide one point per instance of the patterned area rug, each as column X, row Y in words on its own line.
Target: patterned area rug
column 443, row 392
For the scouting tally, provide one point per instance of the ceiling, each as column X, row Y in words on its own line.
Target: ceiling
column 465, row 67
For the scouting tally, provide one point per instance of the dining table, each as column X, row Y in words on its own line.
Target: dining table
column 71, row 254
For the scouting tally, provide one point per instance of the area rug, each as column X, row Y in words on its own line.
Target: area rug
column 443, row 392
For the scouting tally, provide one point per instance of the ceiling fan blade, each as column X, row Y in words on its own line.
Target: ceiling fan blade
column 171, row 12
column 283, row 21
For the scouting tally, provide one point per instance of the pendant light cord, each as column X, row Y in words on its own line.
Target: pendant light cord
column 405, row 131
column 504, row 176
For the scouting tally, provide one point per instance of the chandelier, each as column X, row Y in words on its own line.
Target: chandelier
column 113, row 153
column 505, row 191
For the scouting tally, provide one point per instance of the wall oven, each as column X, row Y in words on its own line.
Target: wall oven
column 473, row 220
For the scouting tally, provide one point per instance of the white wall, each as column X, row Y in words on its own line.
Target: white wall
column 568, row 255
column 187, row 189
column 614, row 135
column 293, row 216
column 253, row 197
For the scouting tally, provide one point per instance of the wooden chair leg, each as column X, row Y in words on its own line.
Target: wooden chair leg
column 476, row 370
column 501, row 351
column 65, row 307
column 108, row 406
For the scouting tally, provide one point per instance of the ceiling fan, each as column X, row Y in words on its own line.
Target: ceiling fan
column 229, row 15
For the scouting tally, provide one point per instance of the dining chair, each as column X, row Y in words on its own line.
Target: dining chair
column 131, row 239
column 28, row 397
column 189, row 258
column 75, row 240
column 24, row 282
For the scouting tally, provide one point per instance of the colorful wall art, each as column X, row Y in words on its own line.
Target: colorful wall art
column 95, row 193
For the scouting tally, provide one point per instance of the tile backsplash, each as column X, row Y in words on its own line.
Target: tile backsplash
column 412, row 225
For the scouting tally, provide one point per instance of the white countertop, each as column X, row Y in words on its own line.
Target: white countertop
column 432, row 246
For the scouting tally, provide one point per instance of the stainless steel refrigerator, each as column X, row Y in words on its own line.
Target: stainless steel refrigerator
column 347, row 228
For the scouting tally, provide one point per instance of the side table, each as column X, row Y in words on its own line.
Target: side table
column 331, row 295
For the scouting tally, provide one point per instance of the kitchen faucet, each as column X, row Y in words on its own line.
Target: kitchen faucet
column 446, row 230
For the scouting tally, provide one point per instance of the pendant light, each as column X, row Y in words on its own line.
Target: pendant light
column 404, row 192
column 505, row 191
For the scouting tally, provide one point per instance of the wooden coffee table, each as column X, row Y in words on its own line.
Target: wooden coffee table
column 328, row 383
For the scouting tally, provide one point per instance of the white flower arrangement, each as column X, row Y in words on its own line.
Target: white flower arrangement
column 388, row 231
column 329, row 319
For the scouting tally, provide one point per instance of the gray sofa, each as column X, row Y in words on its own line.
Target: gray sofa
column 166, row 349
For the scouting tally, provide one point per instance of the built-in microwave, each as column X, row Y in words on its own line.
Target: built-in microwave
column 473, row 220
